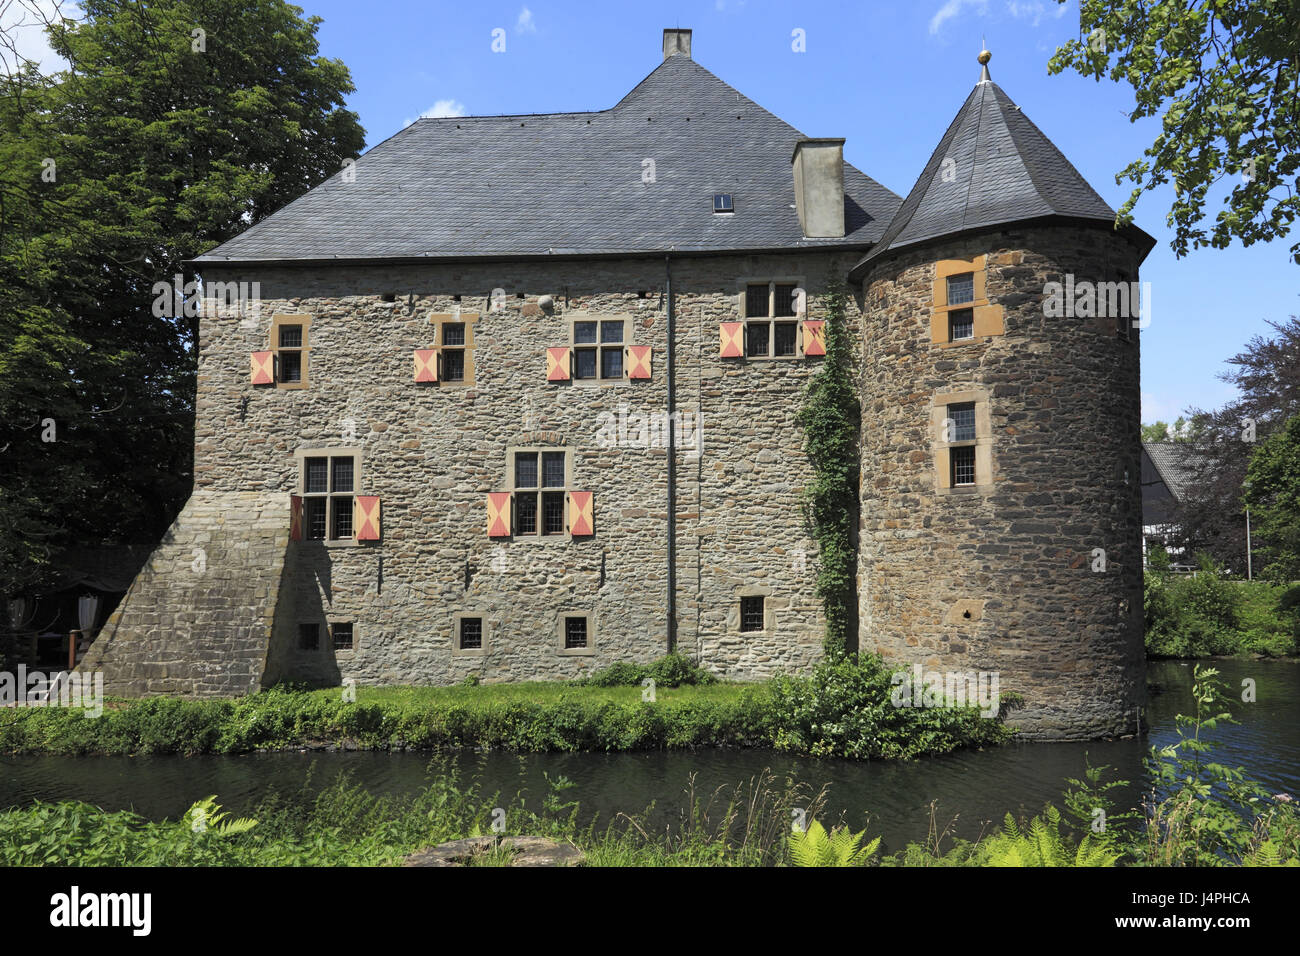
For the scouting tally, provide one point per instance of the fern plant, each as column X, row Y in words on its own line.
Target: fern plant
column 206, row 816
column 840, row 847
column 1041, row 844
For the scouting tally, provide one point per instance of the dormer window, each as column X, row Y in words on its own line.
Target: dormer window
column 722, row 203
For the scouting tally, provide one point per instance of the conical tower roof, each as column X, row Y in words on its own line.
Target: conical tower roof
column 993, row 166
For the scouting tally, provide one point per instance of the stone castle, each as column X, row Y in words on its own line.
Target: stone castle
column 516, row 396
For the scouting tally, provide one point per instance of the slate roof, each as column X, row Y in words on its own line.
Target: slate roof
column 1175, row 463
column 569, row 184
column 1003, row 170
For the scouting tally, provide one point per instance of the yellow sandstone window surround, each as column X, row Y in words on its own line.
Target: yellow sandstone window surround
column 292, row 349
column 454, row 346
column 961, row 312
column 961, row 427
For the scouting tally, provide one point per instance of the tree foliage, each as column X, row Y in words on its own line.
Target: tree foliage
column 1272, row 490
column 1222, row 76
column 144, row 152
column 1211, row 518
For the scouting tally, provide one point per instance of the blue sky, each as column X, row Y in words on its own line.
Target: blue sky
column 888, row 77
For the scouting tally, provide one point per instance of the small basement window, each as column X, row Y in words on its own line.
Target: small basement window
column 471, row 634
column 341, row 632
column 575, row 632
column 722, row 203
column 751, row 613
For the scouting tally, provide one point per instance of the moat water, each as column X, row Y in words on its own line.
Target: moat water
column 973, row 787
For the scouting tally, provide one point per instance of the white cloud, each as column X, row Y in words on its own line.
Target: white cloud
column 1035, row 10
column 953, row 7
column 525, row 22
column 439, row 110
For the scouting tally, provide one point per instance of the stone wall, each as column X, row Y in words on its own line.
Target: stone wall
column 1001, row 578
column 197, row 620
column 433, row 452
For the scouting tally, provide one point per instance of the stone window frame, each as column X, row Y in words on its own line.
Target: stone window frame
column 300, row 458
column 590, row 649
column 482, row 650
column 455, row 317
column 771, row 604
column 329, row 627
column 510, row 486
column 986, row 317
column 983, row 441
column 629, row 328
column 291, row 318
column 771, row 281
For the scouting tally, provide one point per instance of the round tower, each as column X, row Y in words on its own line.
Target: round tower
column 1001, row 503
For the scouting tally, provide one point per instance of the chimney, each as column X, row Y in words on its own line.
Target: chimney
column 677, row 42
column 819, row 187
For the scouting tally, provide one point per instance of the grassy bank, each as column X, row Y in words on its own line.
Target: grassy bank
column 841, row 709
column 1206, row 815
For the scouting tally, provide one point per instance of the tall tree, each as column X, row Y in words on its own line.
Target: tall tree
column 1267, row 376
column 176, row 125
column 1224, row 77
column 1272, row 489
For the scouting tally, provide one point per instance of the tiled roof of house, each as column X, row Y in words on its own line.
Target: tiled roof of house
column 1175, row 462
column 992, row 166
column 569, row 183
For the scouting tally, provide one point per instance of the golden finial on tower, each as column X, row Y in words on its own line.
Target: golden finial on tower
column 984, row 58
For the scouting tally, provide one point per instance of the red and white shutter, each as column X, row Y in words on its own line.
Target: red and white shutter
column 426, row 365
column 262, row 370
column 814, row 337
column 498, row 509
column 366, row 518
column 732, row 344
column 582, row 514
column 638, row 361
column 557, row 364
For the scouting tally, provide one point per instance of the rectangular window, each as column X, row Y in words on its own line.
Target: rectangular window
column 471, row 633
column 553, row 512
column 751, row 613
column 329, row 485
column 553, row 469
column 575, row 632
column 598, row 349
column 540, row 492
column 342, row 634
column 963, row 465
column 783, row 300
column 961, row 325
column 308, row 637
column 963, row 421
column 454, row 337
column 766, row 306
column 961, row 288
column 525, row 513
column 289, row 343
column 787, row 336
